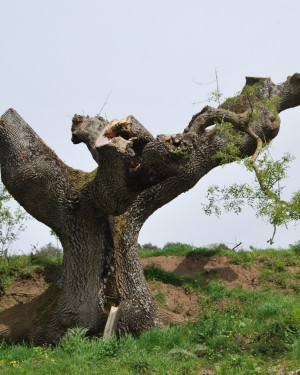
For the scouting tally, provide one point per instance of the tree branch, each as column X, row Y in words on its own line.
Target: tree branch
column 209, row 116
column 32, row 172
column 204, row 143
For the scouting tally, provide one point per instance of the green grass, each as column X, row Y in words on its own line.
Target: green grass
column 160, row 297
column 238, row 332
column 246, row 337
column 181, row 250
column 245, row 332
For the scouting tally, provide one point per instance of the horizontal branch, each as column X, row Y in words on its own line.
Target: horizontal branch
column 210, row 116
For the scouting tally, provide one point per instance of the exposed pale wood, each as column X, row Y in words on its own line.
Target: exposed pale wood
column 112, row 321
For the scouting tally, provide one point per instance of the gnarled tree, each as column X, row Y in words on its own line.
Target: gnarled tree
column 97, row 216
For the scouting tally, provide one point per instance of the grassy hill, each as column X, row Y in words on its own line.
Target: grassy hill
column 240, row 314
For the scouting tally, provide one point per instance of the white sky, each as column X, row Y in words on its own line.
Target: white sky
column 62, row 57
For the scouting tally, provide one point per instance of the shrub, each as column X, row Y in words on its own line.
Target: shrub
column 296, row 248
column 171, row 244
column 48, row 251
column 148, row 246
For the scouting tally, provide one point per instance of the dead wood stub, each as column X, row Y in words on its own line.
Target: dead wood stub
column 112, row 321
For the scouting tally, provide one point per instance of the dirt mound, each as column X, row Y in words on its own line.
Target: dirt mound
column 233, row 275
column 177, row 305
column 20, row 303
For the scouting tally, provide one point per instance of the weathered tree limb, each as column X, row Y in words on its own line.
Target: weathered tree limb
column 209, row 116
column 167, row 155
column 289, row 92
column 33, row 173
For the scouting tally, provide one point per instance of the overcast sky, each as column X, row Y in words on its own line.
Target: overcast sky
column 62, row 57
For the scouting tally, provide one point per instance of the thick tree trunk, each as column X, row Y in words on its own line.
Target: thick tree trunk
column 98, row 215
column 88, row 247
column 101, row 268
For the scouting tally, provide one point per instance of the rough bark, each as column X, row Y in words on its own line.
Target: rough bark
column 98, row 215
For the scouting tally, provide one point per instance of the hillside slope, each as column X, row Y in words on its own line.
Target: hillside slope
column 26, row 299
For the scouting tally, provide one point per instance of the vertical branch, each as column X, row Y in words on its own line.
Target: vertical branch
column 264, row 188
column 105, row 103
column 218, row 90
column 271, row 240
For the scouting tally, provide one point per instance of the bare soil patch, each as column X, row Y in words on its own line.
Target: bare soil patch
column 20, row 303
column 180, row 305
